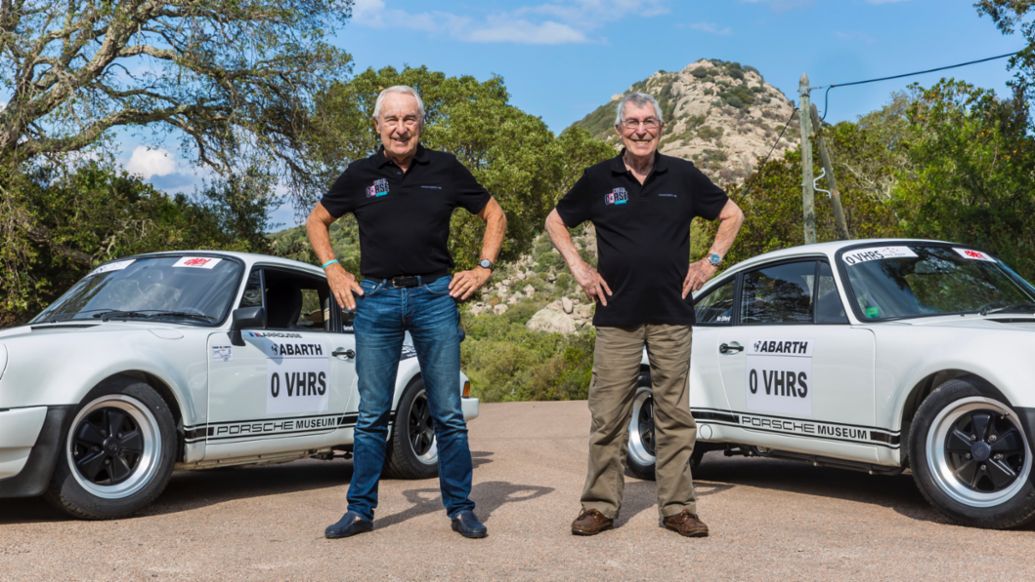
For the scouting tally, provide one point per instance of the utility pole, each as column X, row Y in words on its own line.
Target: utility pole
column 828, row 167
column 807, row 194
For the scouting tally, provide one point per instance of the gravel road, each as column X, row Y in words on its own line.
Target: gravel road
column 769, row 520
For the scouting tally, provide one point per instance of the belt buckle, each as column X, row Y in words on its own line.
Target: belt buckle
column 405, row 281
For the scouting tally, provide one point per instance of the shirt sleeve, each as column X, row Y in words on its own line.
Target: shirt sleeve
column 470, row 195
column 574, row 208
column 708, row 198
column 341, row 198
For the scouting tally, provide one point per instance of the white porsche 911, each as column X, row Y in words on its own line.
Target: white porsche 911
column 879, row 355
column 188, row 360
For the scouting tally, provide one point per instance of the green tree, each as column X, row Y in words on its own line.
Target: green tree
column 55, row 226
column 513, row 154
column 971, row 159
column 225, row 75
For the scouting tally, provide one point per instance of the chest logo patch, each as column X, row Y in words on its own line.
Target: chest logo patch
column 616, row 197
column 378, row 188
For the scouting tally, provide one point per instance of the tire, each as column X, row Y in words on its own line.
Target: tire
column 98, row 476
column 639, row 457
column 970, row 458
column 413, row 452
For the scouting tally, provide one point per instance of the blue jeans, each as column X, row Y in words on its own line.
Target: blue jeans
column 383, row 315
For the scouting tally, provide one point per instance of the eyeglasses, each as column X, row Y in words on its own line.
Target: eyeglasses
column 650, row 123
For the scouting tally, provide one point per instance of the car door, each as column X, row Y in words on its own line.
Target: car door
column 292, row 385
column 797, row 375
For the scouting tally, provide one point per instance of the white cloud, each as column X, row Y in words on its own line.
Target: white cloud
column 147, row 162
column 710, row 28
column 782, row 5
column 568, row 23
column 525, row 32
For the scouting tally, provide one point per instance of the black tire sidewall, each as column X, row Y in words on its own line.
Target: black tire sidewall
column 402, row 462
column 68, row 495
column 1014, row 512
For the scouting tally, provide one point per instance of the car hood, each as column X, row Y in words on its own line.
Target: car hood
column 54, row 330
column 997, row 321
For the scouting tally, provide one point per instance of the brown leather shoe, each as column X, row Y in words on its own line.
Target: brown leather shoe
column 686, row 524
column 591, row 522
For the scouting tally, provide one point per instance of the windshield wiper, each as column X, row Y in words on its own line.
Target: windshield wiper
column 152, row 314
column 1023, row 307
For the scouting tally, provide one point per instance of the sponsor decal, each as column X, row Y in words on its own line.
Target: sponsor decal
column 616, row 197
column 297, row 376
column 877, row 254
column 115, row 266
column 268, row 427
column 408, row 352
column 289, row 334
column 222, row 353
column 973, row 255
column 800, row 427
column 378, row 188
column 779, row 376
column 197, row 262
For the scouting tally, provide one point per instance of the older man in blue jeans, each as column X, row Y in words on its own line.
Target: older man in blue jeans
column 403, row 197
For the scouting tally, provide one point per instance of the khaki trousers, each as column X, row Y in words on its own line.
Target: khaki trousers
column 616, row 369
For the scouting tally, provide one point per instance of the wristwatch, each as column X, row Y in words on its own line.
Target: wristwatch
column 486, row 264
column 714, row 259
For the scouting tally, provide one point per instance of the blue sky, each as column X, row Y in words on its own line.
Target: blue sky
column 560, row 60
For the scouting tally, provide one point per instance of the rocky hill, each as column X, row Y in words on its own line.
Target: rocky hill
column 721, row 115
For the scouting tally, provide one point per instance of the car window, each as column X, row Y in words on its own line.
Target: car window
column 292, row 300
column 778, row 295
column 829, row 308
column 715, row 308
column 924, row 279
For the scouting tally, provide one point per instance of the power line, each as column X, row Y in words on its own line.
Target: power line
column 761, row 167
column 826, row 94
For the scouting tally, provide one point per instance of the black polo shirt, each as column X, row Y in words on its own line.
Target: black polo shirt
column 643, row 235
column 404, row 218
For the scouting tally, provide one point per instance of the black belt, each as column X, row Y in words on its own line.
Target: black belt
column 407, row 281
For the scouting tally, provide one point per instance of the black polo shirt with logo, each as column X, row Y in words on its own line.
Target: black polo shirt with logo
column 404, row 217
column 643, row 235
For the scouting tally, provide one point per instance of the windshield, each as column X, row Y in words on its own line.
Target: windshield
column 918, row 279
column 197, row 290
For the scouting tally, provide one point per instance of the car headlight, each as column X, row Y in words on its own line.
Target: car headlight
column 3, row 359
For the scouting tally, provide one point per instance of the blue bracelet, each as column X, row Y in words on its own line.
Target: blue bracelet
column 328, row 263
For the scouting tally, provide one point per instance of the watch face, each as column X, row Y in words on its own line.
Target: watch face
column 714, row 259
column 485, row 264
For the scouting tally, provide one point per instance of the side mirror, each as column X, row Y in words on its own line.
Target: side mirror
column 243, row 318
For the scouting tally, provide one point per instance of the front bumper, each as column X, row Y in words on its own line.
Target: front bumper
column 470, row 407
column 30, row 442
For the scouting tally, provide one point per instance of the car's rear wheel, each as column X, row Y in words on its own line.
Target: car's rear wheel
column 413, row 451
column 970, row 458
column 117, row 454
column 640, row 458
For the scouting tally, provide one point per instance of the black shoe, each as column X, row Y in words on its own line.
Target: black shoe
column 350, row 524
column 466, row 522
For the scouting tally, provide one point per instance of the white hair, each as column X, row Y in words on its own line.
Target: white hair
column 639, row 99
column 403, row 89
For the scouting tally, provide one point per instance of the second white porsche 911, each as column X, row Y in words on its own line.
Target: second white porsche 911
column 880, row 355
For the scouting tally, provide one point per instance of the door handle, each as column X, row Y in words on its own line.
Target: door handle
column 349, row 354
column 730, row 348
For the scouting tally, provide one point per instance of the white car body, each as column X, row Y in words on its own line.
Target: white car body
column 846, row 392
column 281, row 394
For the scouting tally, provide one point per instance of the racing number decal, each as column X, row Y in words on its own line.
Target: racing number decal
column 779, row 376
column 297, row 377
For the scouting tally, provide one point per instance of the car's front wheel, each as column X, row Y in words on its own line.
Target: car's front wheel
column 117, row 454
column 413, row 451
column 970, row 458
